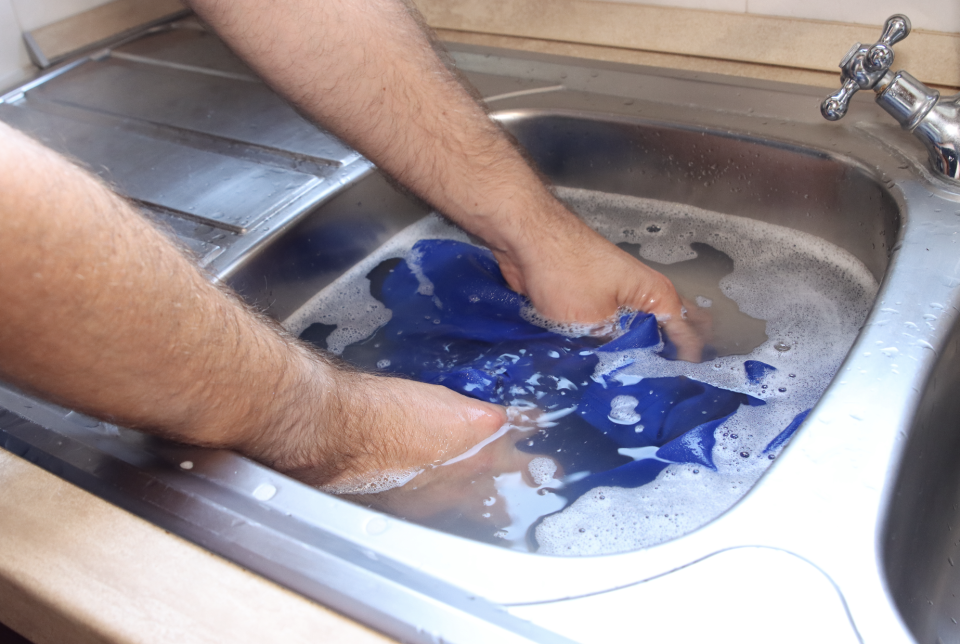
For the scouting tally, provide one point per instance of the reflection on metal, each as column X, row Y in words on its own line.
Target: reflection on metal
column 866, row 492
column 521, row 93
column 202, row 141
column 935, row 120
column 196, row 69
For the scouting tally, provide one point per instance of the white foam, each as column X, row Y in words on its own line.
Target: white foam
column 623, row 410
column 542, row 470
column 607, row 327
column 373, row 483
column 814, row 296
column 610, row 519
column 347, row 302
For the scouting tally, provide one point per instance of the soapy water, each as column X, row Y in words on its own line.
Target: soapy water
column 786, row 307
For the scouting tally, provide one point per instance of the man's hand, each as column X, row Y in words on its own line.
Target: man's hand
column 572, row 274
column 467, row 486
column 103, row 314
column 372, row 432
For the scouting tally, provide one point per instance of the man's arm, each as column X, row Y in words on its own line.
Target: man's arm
column 366, row 70
column 102, row 313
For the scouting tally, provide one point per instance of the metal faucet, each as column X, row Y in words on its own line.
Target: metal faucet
column 935, row 120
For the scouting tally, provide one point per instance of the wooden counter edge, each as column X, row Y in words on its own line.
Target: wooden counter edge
column 76, row 568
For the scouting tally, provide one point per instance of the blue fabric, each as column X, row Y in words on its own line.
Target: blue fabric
column 757, row 371
column 468, row 335
column 781, row 439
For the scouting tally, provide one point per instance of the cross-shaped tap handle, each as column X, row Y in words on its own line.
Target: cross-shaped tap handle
column 864, row 67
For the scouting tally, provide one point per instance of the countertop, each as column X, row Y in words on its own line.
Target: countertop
column 75, row 568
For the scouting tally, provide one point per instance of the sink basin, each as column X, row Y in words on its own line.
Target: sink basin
column 921, row 537
column 729, row 172
column 783, row 184
column 864, row 496
column 777, row 183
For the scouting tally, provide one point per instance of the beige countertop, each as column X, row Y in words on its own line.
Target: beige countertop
column 75, row 568
column 739, row 44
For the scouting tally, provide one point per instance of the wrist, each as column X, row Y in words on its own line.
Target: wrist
column 294, row 424
column 530, row 236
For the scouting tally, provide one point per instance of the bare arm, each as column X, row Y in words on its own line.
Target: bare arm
column 102, row 313
column 367, row 71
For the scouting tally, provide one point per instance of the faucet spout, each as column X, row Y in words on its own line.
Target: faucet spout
column 935, row 120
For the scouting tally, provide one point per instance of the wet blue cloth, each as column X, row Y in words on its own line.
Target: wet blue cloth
column 781, row 439
column 757, row 371
column 468, row 335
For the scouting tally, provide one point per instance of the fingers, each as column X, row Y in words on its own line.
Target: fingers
column 687, row 340
column 426, row 425
column 466, row 486
column 387, row 429
column 684, row 323
column 674, row 315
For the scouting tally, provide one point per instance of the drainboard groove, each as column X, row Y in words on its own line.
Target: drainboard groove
column 273, row 156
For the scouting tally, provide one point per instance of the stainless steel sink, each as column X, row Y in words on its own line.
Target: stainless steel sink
column 776, row 182
column 921, row 534
column 851, row 533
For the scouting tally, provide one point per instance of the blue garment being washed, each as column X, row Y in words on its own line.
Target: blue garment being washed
column 468, row 335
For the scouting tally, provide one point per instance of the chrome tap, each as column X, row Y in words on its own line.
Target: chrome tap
column 935, row 120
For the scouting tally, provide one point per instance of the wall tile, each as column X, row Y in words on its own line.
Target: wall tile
column 737, row 6
column 13, row 55
column 937, row 15
column 39, row 13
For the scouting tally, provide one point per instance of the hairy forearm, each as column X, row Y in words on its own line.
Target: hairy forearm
column 102, row 313
column 367, row 71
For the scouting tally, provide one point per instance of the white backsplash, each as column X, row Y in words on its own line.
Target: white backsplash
column 13, row 56
column 939, row 15
column 936, row 15
column 38, row 13
column 17, row 16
